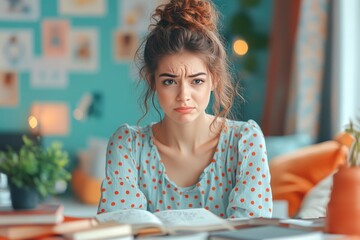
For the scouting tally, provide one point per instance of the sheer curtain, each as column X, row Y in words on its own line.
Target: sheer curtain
column 346, row 64
column 299, row 81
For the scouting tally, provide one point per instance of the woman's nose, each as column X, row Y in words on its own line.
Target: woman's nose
column 183, row 94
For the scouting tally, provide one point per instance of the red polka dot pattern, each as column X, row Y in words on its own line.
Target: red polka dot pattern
column 236, row 183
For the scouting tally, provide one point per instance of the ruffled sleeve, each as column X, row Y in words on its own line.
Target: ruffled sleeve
column 120, row 190
column 251, row 196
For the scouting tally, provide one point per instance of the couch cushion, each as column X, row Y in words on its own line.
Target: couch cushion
column 315, row 201
column 294, row 174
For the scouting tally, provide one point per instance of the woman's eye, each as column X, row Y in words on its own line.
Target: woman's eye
column 168, row 82
column 198, row 81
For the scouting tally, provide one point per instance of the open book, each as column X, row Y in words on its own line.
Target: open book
column 167, row 222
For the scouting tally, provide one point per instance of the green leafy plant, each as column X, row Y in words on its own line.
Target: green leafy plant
column 34, row 166
column 354, row 154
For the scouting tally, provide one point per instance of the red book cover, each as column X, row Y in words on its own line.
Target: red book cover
column 43, row 214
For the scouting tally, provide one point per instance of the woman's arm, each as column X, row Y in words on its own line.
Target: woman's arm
column 120, row 190
column 251, row 195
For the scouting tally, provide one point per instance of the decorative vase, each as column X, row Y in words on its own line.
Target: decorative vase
column 24, row 197
column 343, row 210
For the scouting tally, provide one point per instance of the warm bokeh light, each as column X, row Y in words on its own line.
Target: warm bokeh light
column 33, row 122
column 240, row 47
column 52, row 118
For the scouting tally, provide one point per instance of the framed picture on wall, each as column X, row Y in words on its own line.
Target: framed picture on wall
column 125, row 45
column 55, row 38
column 82, row 7
column 16, row 49
column 136, row 14
column 19, row 10
column 9, row 89
column 84, row 49
column 49, row 73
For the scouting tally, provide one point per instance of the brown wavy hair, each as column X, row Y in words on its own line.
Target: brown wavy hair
column 187, row 25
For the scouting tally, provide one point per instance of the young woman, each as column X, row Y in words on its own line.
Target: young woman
column 190, row 159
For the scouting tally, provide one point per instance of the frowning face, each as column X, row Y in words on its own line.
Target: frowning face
column 183, row 85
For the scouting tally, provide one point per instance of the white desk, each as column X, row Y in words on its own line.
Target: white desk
column 75, row 208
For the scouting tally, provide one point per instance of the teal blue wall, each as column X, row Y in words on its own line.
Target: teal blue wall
column 254, row 84
column 115, row 81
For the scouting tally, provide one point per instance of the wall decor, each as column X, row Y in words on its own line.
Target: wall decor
column 9, row 89
column 16, row 47
column 19, row 10
column 82, row 7
column 49, row 118
column 84, row 47
column 125, row 45
column 49, row 73
column 55, row 37
column 135, row 14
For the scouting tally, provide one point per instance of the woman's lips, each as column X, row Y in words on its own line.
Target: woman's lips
column 184, row 109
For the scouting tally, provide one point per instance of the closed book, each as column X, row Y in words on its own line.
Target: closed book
column 102, row 231
column 267, row 233
column 76, row 229
column 43, row 214
column 31, row 231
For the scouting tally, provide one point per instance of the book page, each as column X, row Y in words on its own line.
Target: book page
column 130, row 216
column 188, row 219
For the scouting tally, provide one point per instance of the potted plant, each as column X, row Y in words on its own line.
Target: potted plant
column 343, row 212
column 33, row 172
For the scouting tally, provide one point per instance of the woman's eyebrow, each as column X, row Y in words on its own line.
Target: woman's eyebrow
column 173, row 75
column 167, row 75
column 197, row 74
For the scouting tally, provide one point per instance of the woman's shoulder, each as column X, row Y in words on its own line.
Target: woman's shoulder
column 132, row 130
column 242, row 127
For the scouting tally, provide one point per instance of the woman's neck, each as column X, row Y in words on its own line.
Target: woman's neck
column 186, row 138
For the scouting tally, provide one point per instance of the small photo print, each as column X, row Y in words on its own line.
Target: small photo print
column 126, row 44
column 19, row 10
column 55, row 36
column 84, row 49
column 82, row 7
column 16, row 48
column 136, row 14
column 49, row 73
column 9, row 89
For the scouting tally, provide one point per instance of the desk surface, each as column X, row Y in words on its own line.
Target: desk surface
column 75, row 208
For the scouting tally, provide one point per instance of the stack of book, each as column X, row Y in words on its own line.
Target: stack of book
column 48, row 220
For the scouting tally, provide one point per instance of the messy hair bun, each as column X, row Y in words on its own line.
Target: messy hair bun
column 191, row 14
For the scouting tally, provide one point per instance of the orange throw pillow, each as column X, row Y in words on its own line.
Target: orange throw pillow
column 295, row 173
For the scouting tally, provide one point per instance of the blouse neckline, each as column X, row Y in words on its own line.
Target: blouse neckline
column 204, row 172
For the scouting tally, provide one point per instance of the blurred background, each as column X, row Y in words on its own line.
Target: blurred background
column 67, row 71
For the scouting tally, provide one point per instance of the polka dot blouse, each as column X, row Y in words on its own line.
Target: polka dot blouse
column 235, row 184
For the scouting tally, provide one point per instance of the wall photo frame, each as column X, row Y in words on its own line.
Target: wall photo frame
column 49, row 73
column 19, row 10
column 82, row 8
column 84, row 48
column 55, row 37
column 9, row 89
column 125, row 45
column 16, row 46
